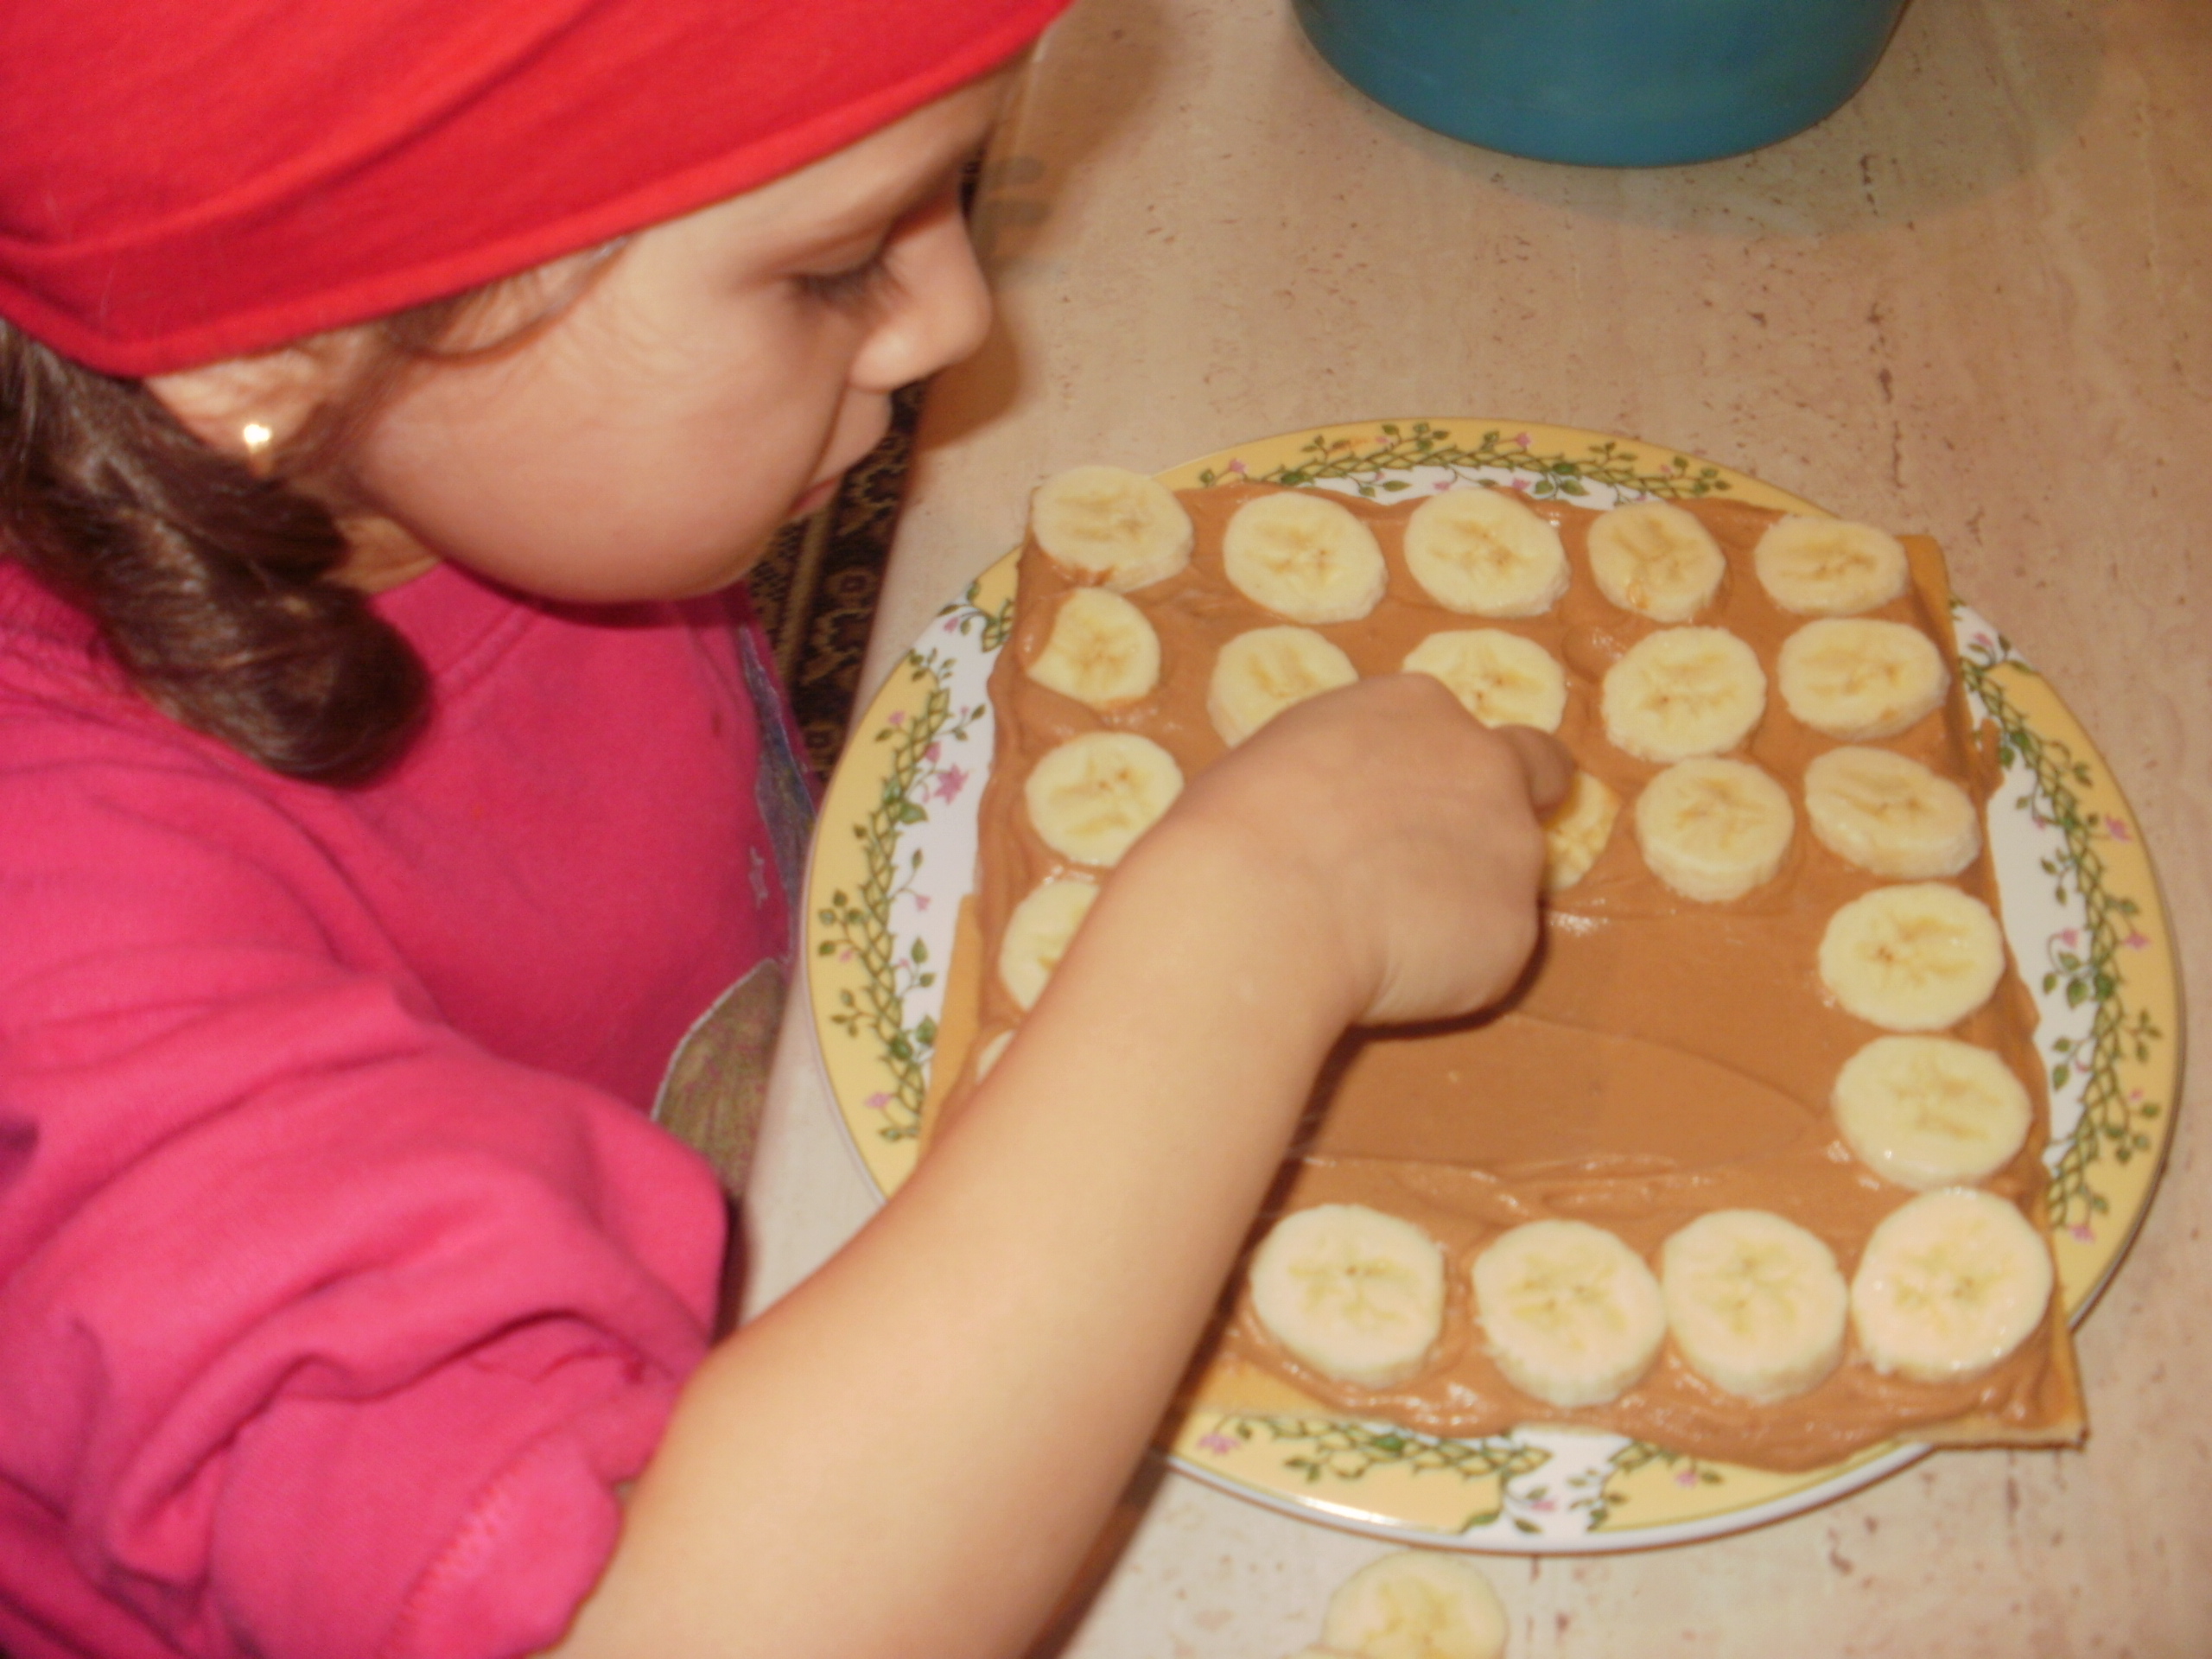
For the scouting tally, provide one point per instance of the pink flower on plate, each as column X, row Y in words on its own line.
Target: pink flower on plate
column 1237, row 465
column 1521, row 438
column 2117, row 829
column 932, row 752
column 921, row 901
column 1686, row 1476
column 877, row 1101
column 949, row 782
column 2082, row 1232
column 897, row 717
column 2135, row 941
column 2071, row 937
column 1218, row 1443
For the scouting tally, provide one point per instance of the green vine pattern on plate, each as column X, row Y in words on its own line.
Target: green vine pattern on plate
column 1364, row 463
column 1348, row 1451
column 2085, row 964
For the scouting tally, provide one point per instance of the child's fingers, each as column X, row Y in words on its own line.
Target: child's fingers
column 1549, row 767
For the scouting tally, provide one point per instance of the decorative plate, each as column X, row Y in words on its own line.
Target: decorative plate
column 896, row 852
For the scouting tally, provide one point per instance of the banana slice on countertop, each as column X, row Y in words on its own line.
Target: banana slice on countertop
column 1417, row 1604
column 1949, row 1285
column 1656, row 559
column 1039, row 933
column 1571, row 1314
column 1114, row 527
column 1577, row 829
column 1919, row 956
column 1102, row 652
column 1354, row 1294
column 1858, row 678
column 1683, row 692
column 1931, row 1111
column 1089, row 799
column 1303, row 555
column 1888, row 814
column 1261, row 672
column 1712, row 830
column 1481, row 552
column 1754, row 1302
column 1829, row 567
column 1500, row 679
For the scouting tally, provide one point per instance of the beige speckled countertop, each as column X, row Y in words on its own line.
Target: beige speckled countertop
column 1976, row 303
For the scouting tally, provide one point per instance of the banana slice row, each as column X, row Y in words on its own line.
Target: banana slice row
column 1949, row 1285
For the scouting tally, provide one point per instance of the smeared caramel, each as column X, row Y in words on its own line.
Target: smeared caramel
column 1664, row 1058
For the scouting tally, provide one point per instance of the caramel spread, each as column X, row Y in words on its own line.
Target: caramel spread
column 1664, row 1058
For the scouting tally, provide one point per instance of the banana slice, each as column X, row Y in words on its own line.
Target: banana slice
column 1571, row 1314
column 1655, row 559
column 1828, row 567
column 1499, row 678
column 1101, row 651
column 1418, row 1604
column 1481, row 552
column 1577, row 830
column 1681, row 693
column 1889, row 814
column 1917, row 956
column 1094, row 795
column 1039, row 933
column 1260, row 673
column 1356, row 1294
column 1713, row 830
column 1949, row 1284
column 991, row 1053
column 1304, row 557
column 1858, row 678
column 1755, row 1303
column 1929, row 1111
column 1117, row 527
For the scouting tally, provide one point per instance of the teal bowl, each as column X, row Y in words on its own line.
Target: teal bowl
column 1607, row 83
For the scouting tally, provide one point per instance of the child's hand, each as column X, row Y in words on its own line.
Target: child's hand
column 1401, row 835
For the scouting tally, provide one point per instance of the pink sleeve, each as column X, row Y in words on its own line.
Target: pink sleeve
column 321, row 1330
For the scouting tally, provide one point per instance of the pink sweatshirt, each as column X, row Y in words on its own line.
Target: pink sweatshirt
column 342, row 1274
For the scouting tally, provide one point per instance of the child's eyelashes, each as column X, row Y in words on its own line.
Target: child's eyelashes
column 851, row 288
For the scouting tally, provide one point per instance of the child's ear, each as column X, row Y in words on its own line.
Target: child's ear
column 251, row 407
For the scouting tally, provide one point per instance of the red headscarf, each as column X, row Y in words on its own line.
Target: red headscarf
column 187, row 180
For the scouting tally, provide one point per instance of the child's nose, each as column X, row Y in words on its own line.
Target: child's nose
column 940, row 315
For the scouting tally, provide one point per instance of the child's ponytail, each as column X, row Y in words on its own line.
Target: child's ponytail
column 211, row 586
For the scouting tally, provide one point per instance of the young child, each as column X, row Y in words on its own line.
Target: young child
column 387, row 782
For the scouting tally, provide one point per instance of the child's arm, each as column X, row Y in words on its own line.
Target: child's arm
column 908, row 1455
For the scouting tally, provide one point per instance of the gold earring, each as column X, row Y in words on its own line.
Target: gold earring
column 257, row 436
